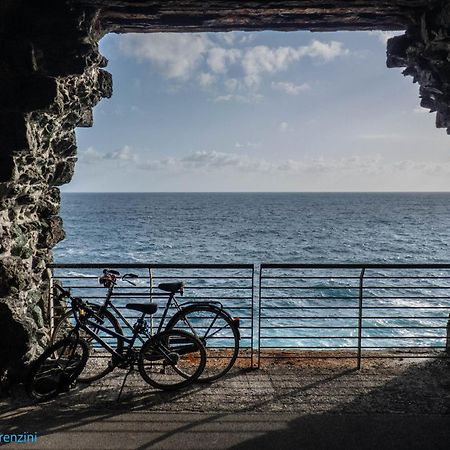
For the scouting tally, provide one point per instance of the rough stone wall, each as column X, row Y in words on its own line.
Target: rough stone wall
column 141, row 16
column 425, row 52
column 50, row 78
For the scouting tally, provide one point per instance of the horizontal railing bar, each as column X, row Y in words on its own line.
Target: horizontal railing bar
column 343, row 277
column 311, row 337
column 318, row 356
column 356, row 337
column 309, row 317
column 310, row 327
column 140, row 288
column 308, row 307
column 429, row 327
column 404, row 317
column 320, row 288
column 147, row 266
column 353, row 266
column 369, row 297
column 311, row 348
column 202, row 277
column 289, row 297
column 354, row 328
column 353, row 307
column 405, row 346
column 396, row 337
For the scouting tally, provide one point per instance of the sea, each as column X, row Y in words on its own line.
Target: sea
column 255, row 228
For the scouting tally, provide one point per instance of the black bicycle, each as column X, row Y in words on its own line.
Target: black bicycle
column 168, row 360
column 208, row 321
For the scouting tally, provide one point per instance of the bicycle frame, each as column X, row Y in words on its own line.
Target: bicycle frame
column 128, row 340
column 171, row 300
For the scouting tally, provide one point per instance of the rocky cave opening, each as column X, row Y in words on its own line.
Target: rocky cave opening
column 53, row 75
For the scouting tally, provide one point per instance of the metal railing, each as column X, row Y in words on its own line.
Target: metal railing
column 341, row 311
column 230, row 284
column 353, row 311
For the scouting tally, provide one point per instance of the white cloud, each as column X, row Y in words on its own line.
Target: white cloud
column 219, row 59
column 206, row 79
column 247, row 144
column 175, row 55
column 384, row 36
column 283, row 127
column 420, row 110
column 208, row 161
column 91, row 155
column 180, row 56
column 229, row 38
column 290, row 88
column 251, row 97
column 126, row 153
column 231, row 84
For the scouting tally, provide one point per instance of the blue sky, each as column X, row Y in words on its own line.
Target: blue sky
column 265, row 111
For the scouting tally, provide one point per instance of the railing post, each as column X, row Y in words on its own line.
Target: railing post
column 150, row 273
column 447, row 342
column 360, row 315
column 253, row 315
column 259, row 317
column 51, row 303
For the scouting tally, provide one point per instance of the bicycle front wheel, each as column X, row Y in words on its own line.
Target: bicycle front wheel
column 57, row 368
column 218, row 333
column 99, row 363
column 171, row 360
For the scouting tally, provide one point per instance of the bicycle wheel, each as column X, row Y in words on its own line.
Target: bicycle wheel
column 172, row 359
column 218, row 333
column 57, row 368
column 99, row 363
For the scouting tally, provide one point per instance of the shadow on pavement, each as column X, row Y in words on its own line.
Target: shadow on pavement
column 277, row 409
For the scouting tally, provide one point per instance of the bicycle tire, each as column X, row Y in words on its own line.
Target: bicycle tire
column 172, row 359
column 213, row 326
column 100, row 361
column 57, row 368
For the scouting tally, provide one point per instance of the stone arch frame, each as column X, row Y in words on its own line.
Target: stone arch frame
column 52, row 75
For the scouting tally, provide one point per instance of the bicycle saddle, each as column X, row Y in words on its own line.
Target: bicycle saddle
column 143, row 308
column 172, row 287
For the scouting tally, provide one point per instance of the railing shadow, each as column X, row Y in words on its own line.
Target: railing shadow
column 407, row 406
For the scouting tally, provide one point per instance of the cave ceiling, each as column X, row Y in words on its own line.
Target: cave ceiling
column 315, row 15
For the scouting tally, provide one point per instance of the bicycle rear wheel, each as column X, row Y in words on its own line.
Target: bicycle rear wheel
column 216, row 330
column 57, row 368
column 171, row 360
column 99, row 363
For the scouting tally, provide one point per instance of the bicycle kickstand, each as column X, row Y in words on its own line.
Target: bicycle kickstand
column 124, row 380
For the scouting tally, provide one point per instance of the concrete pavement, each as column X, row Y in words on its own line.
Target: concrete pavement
column 385, row 405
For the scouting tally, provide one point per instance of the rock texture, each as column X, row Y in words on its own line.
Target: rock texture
column 51, row 76
column 425, row 52
column 222, row 15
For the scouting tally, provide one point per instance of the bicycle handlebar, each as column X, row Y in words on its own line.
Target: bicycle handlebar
column 129, row 275
column 111, row 272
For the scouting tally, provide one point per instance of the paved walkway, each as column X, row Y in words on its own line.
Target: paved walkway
column 386, row 404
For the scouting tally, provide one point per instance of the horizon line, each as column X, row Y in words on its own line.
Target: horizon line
column 255, row 192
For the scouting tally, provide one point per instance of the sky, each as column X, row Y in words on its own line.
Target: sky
column 258, row 111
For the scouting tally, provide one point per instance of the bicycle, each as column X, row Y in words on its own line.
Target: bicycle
column 168, row 360
column 208, row 321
